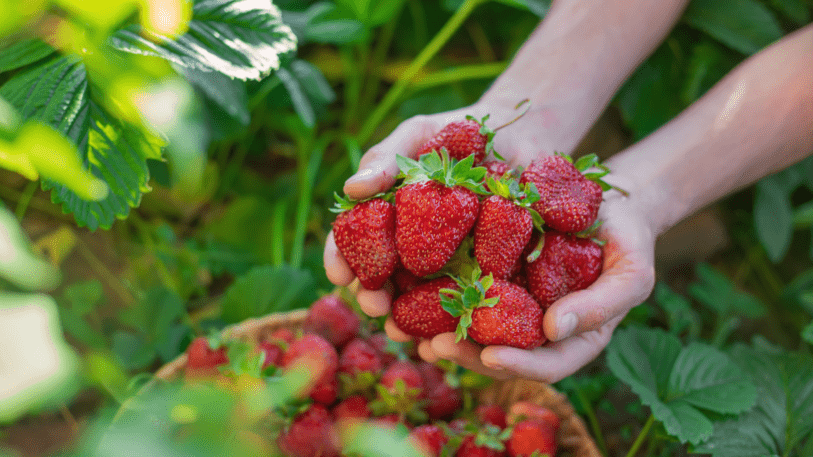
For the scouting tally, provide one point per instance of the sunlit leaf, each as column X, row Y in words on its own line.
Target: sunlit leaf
column 22, row 53
column 243, row 39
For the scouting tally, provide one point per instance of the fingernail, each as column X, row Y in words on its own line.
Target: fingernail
column 492, row 362
column 360, row 175
column 566, row 325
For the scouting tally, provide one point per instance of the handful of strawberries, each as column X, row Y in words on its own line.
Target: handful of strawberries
column 475, row 247
column 358, row 377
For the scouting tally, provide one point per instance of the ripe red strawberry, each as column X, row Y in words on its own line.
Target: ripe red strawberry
column 526, row 410
column 504, row 227
column 332, row 318
column 532, row 435
column 405, row 372
column 569, row 201
column 365, row 235
column 469, row 448
column 317, row 352
column 353, row 407
column 311, row 434
column 385, row 348
column 406, row 281
column 273, row 353
column 419, row 311
column 567, row 263
column 434, row 210
column 443, row 401
column 462, row 139
column 359, row 356
column 326, row 392
column 496, row 169
column 429, row 438
column 201, row 356
column 490, row 414
column 495, row 312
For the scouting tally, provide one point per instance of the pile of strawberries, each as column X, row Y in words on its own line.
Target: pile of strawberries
column 360, row 377
column 472, row 246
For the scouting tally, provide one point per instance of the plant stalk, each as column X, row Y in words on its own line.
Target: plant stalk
column 426, row 54
column 593, row 420
column 641, row 436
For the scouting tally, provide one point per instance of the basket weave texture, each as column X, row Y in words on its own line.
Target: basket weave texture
column 573, row 438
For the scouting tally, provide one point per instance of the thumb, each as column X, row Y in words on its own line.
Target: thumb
column 378, row 168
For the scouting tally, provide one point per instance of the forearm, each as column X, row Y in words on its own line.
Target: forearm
column 756, row 121
column 576, row 60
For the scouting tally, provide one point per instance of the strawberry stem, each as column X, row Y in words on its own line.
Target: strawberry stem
column 527, row 102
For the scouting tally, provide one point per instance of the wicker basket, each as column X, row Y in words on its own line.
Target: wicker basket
column 574, row 441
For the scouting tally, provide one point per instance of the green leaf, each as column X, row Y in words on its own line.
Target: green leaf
column 265, row 290
column 719, row 294
column 753, row 26
column 227, row 93
column 18, row 264
column 678, row 310
column 76, row 326
column 795, row 10
column 783, row 415
column 132, row 350
column 300, row 101
column 243, row 39
column 23, row 53
column 537, row 7
column 84, row 296
column 313, row 82
column 807, row 333
column 773, row 219
column 679, row 384
column 155, row 313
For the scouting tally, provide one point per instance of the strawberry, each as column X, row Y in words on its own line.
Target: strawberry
column 569, row 200
column 365, row 235
column 273, row 353
column 485, row 448
column 326, row 392
column 435, row 209
column 526, row 410
column 496, row 169
column 490, row 414
column 567, row 263
column 443, row 401
column 201, row 356
column 462, row 139
column 354, row 407
column 403, row 372
column 419, row 311
column 532, row 437
column 495, row 312
column 406, row 281
column 504, row 227
column 333, row 319
column 387, row 349
column 429, row 438
column 311, row 434
column 359, row 366
column 315, row 351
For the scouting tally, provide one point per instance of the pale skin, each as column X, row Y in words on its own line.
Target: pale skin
column 757, row 120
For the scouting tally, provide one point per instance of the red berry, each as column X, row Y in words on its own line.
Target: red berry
column 406, row 281
column 567, row 264
column 431, row 221
column 365, row 235
column 532, row 435
column 469, row 449
column 200, row 355
column 273, row 353
column 359, row 356
column 311, row 434
column 527, row 410
column 429, row 438
column 354, row 407
column 461, row 139
column 490, row 414
column 325, row 392
column 516, row 320
column 404, row 371
column 419, row 312
column 381, row 342
column 568, row 202
column 500, row 235
column 443, row 401
column 317, row 352
column 496, row 168
column 332, row 318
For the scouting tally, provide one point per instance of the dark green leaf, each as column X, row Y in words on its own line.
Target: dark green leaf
column 381, row 12
column 807, row 333
column 172, row 344
column 243, row 39
column 133, row 350
column 313, row 82
column 719, row 294
column 773, row 219
column 300, row 101
column 783, row 416
column 753, row 26
column 537, row 7
column 76, row 326
column 155, row 313
column 23, row 53
column 84, row 296
column 795, row 10
column 265, row 290
column 708, row 64
column 227, row 93
column 678, row 384
column 678, row 310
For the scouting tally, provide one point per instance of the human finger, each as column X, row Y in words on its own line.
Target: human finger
column 395, row 333
column 336, row 267
column 375, row 303
column 464, row 353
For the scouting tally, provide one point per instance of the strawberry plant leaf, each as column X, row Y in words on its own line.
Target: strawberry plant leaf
column 782, row 418
column 679, row 384
column 807, row 333
column 773, row 219
column 243, row 39
column 267, row 289
column 752, row 28
column 228, row 94
column 795, row 10
column 681, row 317
column 22, row 53
column 715, row 291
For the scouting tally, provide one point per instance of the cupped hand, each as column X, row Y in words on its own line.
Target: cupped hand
column 580, row 324
column 518, row 143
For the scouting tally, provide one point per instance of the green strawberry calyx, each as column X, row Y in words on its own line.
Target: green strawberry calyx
column 471, row 295
column 589, row 161
column 346, row 203
column 523, row 195
column 441, row 168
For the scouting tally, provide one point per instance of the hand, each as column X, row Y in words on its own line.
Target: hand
column 580, row 324
column 518, row 143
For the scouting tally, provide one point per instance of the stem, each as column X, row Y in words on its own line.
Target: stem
column 25, row 199
column 146, row 238
column 593, row 420
column 233, row 169
column 45, row 206
column 352, row 86
column 461, row 73
column 306, row 169
column 379, row 54
column 432, row 48
column 278, row 230
column 641, row 436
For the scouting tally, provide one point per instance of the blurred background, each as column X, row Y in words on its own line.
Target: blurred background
column 167, row 169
